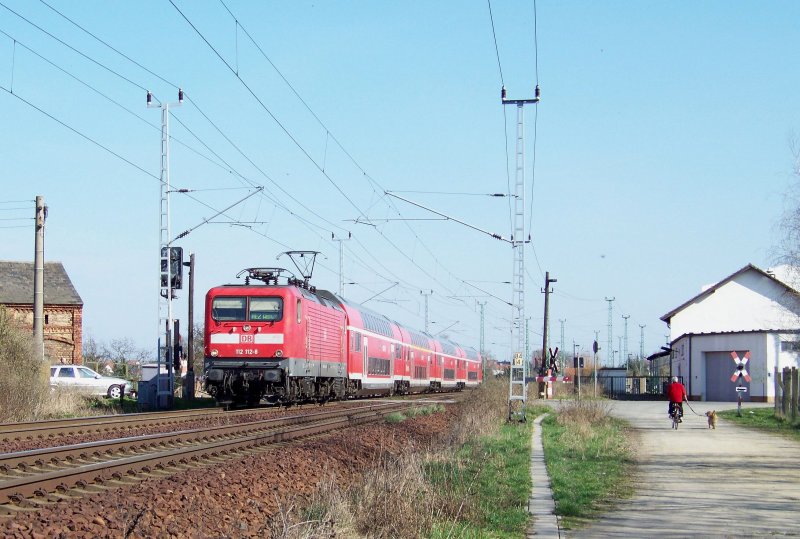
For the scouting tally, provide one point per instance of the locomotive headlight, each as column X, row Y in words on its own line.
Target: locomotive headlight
column 214, row 352
column 278, row 353
column 246, row 327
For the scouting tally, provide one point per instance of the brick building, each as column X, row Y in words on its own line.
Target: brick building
column 63, row 307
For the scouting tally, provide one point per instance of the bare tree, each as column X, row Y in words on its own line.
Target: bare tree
column 197, row 348
column 789, row 250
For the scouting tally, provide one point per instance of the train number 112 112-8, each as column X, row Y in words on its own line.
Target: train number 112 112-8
column 246, row 351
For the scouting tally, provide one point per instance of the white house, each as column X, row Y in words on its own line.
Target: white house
column 753, row 312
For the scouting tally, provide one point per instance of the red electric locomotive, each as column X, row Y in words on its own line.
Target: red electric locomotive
column 290, row 343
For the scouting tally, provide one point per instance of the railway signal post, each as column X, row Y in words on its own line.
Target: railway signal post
column 165, row 395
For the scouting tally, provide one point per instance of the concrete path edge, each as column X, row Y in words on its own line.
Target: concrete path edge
column 541, row 505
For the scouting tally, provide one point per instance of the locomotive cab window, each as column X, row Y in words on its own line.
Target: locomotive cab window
column 229, row 309
column 266, row 309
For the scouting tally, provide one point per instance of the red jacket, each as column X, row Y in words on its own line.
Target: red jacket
column 676, row 392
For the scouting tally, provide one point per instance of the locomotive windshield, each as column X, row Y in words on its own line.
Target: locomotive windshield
column 266, row 309
column 234, row 309
column 229, row 309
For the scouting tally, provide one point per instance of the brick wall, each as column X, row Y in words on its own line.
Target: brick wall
column 63, row 330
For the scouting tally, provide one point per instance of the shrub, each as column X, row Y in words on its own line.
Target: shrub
column 25, row 394
column 22, row 384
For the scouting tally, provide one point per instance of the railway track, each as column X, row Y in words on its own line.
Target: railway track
column 110, row 424
column 35, row 478
column 88, row 425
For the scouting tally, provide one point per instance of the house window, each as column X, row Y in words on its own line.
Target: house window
column 790, row 346
column 46, row 319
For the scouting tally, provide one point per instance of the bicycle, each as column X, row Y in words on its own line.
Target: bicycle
column 675, row 415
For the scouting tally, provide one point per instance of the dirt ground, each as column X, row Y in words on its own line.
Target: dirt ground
column 233, row 499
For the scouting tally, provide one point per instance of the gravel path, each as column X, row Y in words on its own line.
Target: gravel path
column 697, row 482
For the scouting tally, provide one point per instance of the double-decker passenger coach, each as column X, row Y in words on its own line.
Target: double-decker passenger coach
column 286, row 342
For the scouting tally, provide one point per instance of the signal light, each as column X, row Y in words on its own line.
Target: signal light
column 176, row 267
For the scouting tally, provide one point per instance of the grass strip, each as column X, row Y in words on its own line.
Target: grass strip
column 492, row 475
column 764, row 419
column 588, row 460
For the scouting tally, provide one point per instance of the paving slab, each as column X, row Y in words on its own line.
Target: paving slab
column 540, row 503
column 698, row 482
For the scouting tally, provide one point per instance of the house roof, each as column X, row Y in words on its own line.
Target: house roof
column 735, row 332
column 16, row 284
column 710, row 290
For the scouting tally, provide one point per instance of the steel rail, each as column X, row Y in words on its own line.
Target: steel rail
column 82, row 425
column 22, row 461
column 30, row 430
column 17, row 490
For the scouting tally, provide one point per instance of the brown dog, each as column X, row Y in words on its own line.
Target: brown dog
column 712, row 419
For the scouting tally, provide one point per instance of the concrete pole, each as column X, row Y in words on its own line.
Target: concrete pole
column 38, row 283
column 188, row 390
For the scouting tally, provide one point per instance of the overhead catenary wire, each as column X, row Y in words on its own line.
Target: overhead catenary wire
column 86, row 56
column 82, row 135
column 267, row 109
column 308, row 223
column 286, row 131
column 505, row 119
column 156, row 75
column 140, row 65
column 328, row 131
column 229, row 169
column 106, row 96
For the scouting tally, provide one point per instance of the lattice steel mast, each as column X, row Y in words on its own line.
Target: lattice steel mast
column 518, row 389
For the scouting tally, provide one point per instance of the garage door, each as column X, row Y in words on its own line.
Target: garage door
column 719, row 368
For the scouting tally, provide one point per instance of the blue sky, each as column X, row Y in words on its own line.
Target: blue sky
column 662, row 151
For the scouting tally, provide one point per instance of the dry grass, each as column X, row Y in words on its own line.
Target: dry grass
column 397, row 497
column 484, row 410
column 25, row 394
column 395, row 500
column 22, row 386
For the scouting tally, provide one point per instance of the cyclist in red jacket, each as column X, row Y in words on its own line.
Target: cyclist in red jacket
column 676, row 393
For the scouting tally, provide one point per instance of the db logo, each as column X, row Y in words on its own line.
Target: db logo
column 244, row 339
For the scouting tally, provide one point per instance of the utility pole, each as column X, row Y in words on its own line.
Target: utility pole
column 577, row 362
column 619, row 351
column 610, row 331
column 38, row 286
column 341, row 261
column 482, row 304
column 544, row 387
column 641, row 340
column 165, row 319
column 641, row 345
column 518, row 389
column 188, row 390
column 561, row 348
column 426, row 293
column 528, row 357
column 625, row 353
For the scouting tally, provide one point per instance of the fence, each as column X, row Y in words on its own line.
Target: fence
column 627, row 387
column 786, row 392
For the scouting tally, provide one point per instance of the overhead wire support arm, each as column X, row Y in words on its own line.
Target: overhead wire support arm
column 448, row 218
column 207, row 219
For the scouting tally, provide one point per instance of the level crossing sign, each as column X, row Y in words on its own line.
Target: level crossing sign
column 741, row 366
